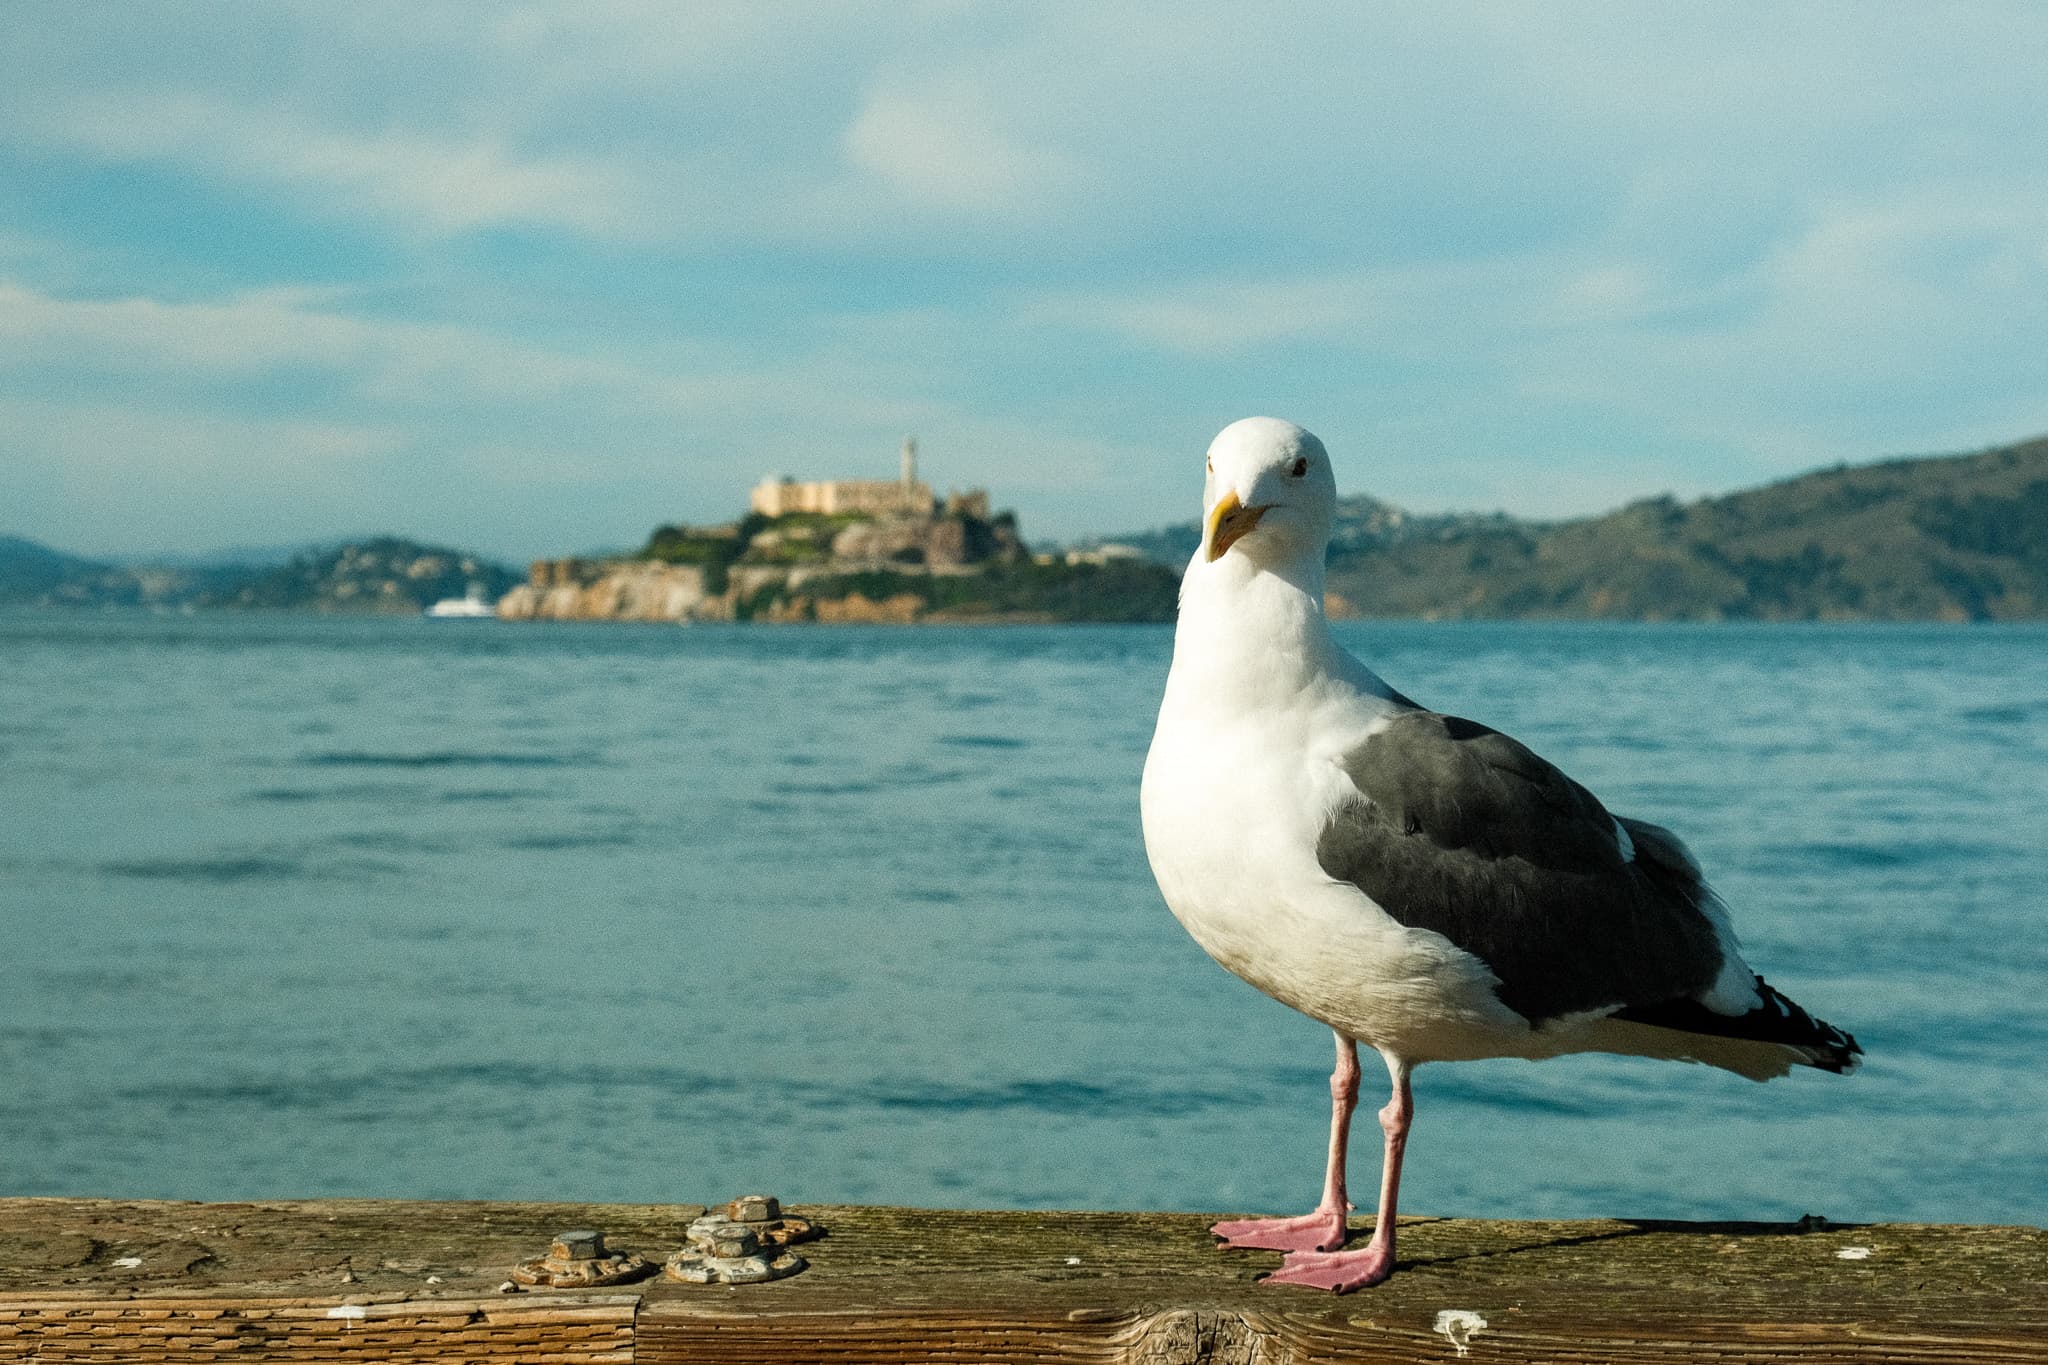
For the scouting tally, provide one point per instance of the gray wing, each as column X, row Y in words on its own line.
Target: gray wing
column 1459, row 829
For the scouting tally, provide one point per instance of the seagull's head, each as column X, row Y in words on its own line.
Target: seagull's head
column 1270, row 494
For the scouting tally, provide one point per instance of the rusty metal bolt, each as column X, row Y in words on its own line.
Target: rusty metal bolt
column 731, row 1240
column 754, row 1208
column 577, row 1246
column 578, row 1260
column 745, row 1244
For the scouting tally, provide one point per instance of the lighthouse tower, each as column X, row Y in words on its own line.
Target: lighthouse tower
column 910, row 498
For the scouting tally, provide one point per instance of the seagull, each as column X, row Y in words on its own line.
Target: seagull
column 1418, row 882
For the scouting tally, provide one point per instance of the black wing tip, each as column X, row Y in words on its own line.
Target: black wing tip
column 1830, row 1048
column 1835, row 1050
column 1777, row 1019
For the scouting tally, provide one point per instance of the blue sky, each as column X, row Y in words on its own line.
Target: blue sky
column 531, row 278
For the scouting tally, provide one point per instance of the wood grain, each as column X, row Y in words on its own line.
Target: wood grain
column 103, row 1280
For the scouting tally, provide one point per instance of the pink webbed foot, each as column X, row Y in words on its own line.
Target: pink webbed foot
column 1337, row 1271
column 1322, row 1230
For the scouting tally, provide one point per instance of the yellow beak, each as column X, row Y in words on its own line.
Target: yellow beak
column 1228, row 522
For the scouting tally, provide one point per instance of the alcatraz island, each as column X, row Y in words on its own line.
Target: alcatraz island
column 850, row 551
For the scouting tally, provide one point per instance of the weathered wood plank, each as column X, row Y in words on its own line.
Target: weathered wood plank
column 102, row 1280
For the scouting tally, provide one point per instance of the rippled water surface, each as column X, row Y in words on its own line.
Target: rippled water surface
column 299, row 907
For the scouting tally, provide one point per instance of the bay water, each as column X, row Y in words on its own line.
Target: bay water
column 295, row 906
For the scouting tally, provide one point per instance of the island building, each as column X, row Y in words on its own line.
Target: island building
column 780, row 495
column 1110, row 552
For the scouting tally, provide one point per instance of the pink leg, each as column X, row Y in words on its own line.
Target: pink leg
column 1322, row 1230
column 1343, row 1271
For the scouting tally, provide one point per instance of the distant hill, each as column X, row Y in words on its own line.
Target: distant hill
column 249, row 557
column 380, row 574
column 385, row 575
column 1363, row 523
column 1952, row 538
column 1959, row 538
column 30, row 572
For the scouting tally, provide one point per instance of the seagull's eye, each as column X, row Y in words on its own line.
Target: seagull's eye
column 1210, row 465
column 1299, row 468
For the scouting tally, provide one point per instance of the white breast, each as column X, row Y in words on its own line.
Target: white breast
column 1232, row 806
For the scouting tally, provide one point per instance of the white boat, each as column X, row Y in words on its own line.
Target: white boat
column 470, row 607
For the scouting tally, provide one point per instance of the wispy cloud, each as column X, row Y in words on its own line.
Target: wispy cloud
column 941, row 150
column 252, row 334
column 423, row 181
column 662, row 249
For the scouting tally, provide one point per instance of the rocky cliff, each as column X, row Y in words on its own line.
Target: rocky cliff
column 648, row 590
column 612, row 590
column 842, row 567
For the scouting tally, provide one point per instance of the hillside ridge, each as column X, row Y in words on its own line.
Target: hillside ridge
column 1921, row 537
column 372, row 574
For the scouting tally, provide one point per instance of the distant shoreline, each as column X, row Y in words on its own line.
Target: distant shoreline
column 1950, row 538
column 18, row 610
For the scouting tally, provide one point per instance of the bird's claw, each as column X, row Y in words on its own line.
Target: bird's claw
column 1322, row 1230
column 1337, row 1271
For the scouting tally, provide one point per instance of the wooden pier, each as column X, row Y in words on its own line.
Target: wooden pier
column 359, row 1281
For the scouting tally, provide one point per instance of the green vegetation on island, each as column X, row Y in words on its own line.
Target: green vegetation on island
column 1119, row 591
column 947, row 563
